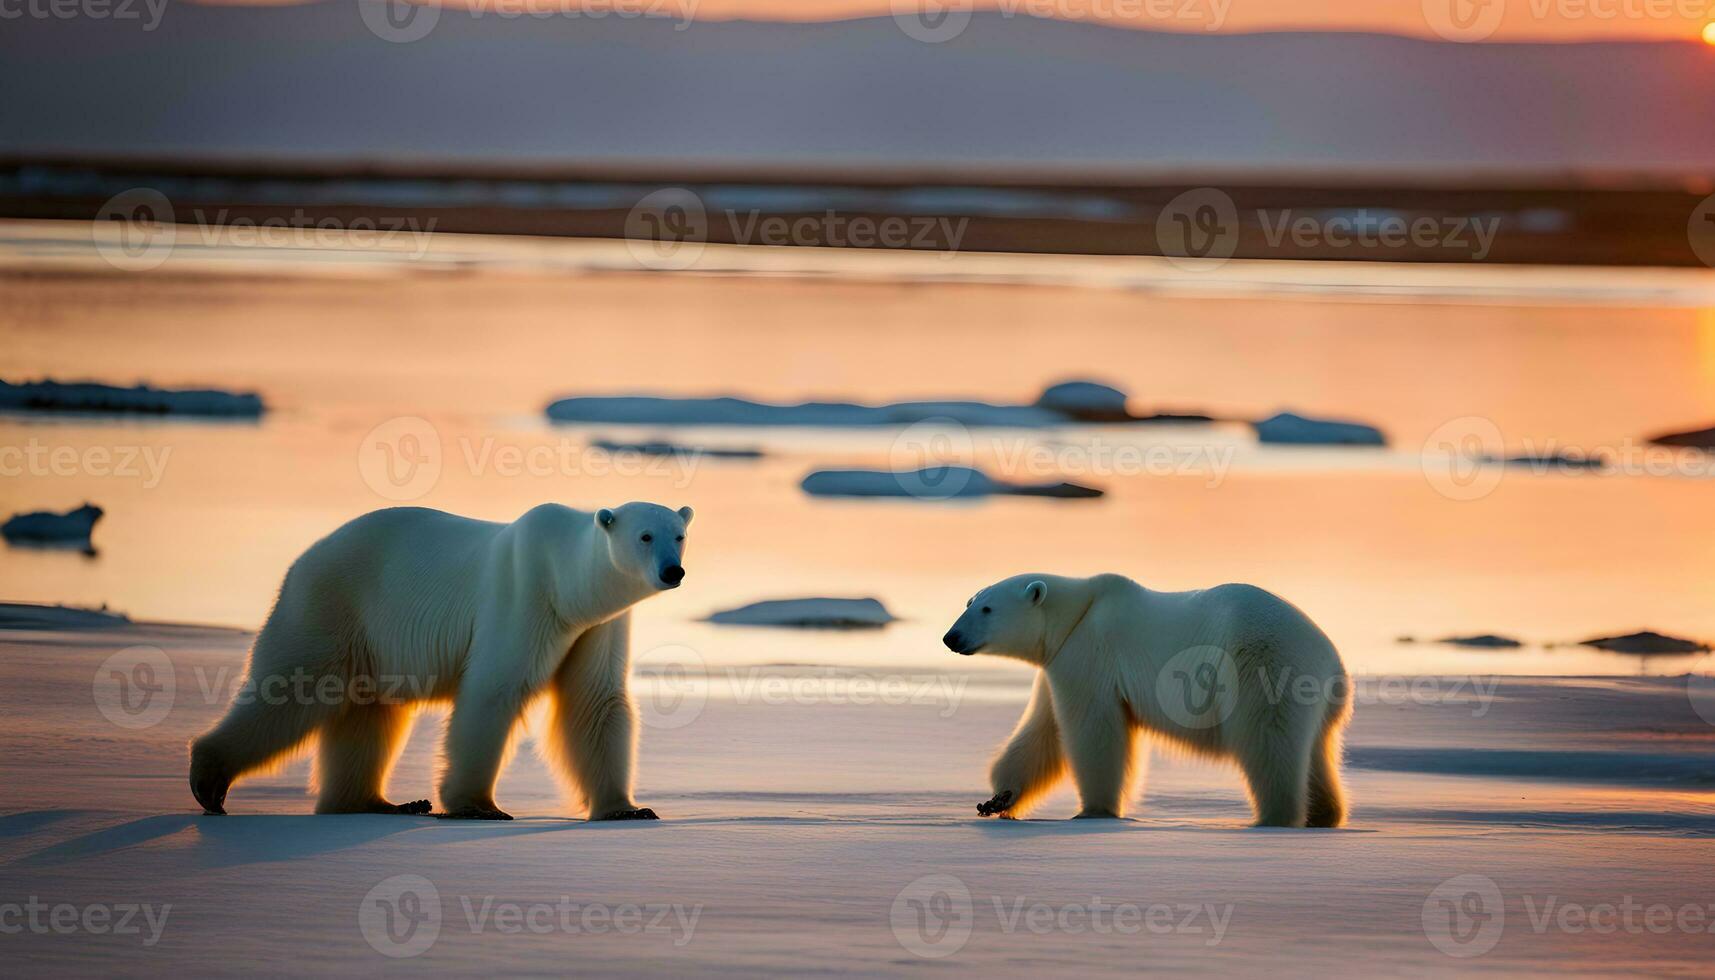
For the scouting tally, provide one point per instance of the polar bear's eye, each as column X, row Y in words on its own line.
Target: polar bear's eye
column 647, row 537
column 987, row 610
column 679, row 538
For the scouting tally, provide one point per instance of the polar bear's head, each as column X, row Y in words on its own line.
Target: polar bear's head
column 647, row 542
column 1007, row 619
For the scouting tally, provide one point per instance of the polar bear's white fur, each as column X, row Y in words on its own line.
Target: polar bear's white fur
column 1232, row 672
column 408, row 605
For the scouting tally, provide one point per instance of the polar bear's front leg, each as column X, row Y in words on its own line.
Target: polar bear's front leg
column 477, row 735
column 1099, row 745
column 1032, row 762
column 594, row 723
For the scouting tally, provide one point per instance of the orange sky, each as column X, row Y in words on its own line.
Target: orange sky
column 1466, row 20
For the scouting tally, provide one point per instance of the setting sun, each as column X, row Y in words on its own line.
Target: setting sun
column 1709, row 33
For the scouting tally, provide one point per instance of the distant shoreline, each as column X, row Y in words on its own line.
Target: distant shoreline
column 1564, row 220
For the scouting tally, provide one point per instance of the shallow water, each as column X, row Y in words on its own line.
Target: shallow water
column 1373, row 543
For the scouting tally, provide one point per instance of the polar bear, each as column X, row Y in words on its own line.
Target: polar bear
column 1231, row 672
column 407, row 605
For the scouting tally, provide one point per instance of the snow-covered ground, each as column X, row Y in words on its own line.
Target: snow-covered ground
column 819, row 823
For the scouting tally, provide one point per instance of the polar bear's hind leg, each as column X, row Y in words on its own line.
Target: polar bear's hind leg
column 252, row 736
column 1327, row 804
column 1276, row 766
column 358, row 748
column 269, row 719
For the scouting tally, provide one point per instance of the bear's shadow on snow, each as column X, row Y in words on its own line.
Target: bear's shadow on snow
column 229, row 841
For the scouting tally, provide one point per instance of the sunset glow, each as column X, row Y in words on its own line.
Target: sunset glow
column 1475, row 20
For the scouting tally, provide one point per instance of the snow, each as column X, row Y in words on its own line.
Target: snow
column 1694, row 439
column 825, row 613
column 1647, row 641
column 1287, row 427
column 651, row 410
column 663, row 447
column 91, row 397
column 1483, row 640
column 48, row 527
column 932, row 483
column 1061, row 403
column 37, row 616
column 821, row 836
column 1087, row 401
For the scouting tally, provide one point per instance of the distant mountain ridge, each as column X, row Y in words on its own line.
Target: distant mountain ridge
column 1010, row 94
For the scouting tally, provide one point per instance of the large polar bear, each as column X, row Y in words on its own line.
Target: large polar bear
column 1232, row 672
column 407, row 605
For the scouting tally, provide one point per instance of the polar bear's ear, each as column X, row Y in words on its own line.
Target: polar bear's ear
column 604, row 518
column 686, row 513
column 1036, row 592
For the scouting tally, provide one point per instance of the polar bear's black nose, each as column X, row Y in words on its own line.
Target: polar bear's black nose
column 955, row 642
column 673, row 574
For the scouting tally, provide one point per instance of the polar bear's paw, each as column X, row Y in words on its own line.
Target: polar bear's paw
column 997, row 806
column 475, row 813
column 209, row 781
column 414, row 808
column 639, row 813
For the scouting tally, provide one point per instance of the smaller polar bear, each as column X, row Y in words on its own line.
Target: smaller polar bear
column 1232, row 672
column 408, row 605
